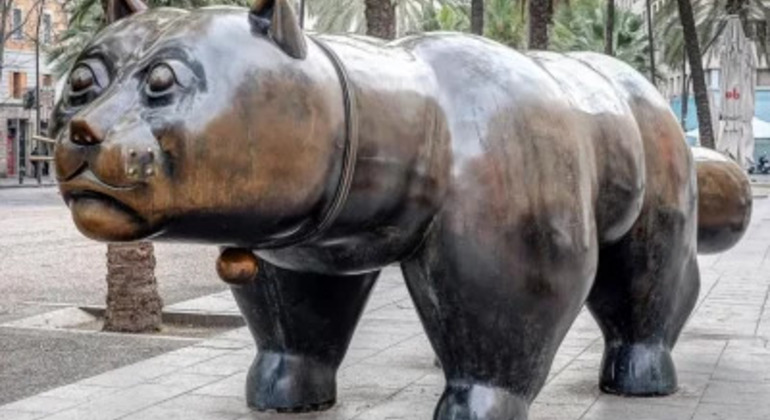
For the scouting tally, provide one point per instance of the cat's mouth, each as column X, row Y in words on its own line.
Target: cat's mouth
column 102, row 211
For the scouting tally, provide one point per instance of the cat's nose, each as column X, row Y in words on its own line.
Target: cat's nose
column 84, row 134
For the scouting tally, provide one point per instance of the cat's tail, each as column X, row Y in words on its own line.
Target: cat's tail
column 724, row 201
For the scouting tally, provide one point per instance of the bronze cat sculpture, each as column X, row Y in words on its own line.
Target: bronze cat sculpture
column 512, row 188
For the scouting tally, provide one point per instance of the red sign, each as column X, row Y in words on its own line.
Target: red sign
column 733, row 94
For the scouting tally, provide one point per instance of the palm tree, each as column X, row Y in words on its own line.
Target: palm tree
column 380, row 18
column 445, row 18
column 351, row 15
column 477, row 17
column 709, row 21
column 581, row 27
column 506, row 23
column 87, row 18
column 609, row 30
column 504, row 20
column 651, row 40
column 133, row 301
column 539, row 17
column 692, row 46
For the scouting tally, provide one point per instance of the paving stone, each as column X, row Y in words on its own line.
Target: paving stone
column 722, row 357
column 548, row 411
column 121, row 403
column 709, row 411
column 613, row 408
column 78, row 392
column 44, row 404
column 231, row 386
column 6, row 414
column 739, row 393
column 182, row 378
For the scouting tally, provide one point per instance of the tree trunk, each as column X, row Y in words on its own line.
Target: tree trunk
column 740, row 8
column 477, row 17
column 380, row 18
column 651, row 42
column 4, row 15
column 695, row 60
column 133, row 302
column 685, row 93
column 609, row 29
column 539, row 16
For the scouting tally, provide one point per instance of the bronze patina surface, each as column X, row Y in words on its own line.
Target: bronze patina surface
column 237, row 266
column 724, row 201
column 512, row 188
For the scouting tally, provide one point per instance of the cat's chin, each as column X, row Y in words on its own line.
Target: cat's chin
column 104, row 218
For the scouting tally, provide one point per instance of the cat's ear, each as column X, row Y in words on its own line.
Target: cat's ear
column 276, row 18
column 115, row 10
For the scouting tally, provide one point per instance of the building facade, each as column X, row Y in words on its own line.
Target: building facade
column 671, row 81
column 19, row 79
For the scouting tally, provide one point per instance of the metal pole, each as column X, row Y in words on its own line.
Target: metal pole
column 37, row 69
column 651, row 41
column 302, row 14
column 685, row 91
column 38, row 165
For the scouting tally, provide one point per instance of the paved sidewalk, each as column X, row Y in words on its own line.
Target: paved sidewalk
column 723, row 362
column 13, row 182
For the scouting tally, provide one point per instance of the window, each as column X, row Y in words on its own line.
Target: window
column 18, row 84
column 17, row 29
column 715, row 78
column 763, row 77
column 47, row 80
column 47, row 29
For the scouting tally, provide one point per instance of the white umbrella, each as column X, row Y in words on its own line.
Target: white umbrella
column 760, row 128
column 735, row 135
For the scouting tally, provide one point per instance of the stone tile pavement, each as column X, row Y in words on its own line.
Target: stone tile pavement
column 13, row 182
column 723, row 362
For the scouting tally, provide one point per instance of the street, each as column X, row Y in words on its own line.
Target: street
column 46, row 263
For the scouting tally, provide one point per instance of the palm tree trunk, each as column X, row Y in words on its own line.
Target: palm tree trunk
column 609, row 29
column 699, row 88
column 685, row 93
column 651, row 41
column 380, row 18
column 477, row 17
column 539, row 16
column 133, row 302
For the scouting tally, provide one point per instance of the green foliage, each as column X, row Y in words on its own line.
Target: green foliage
column 340, row 16
column 505, row 22
column 87, row 19
column 709, row 22
column 580, row 27
column 446, row 18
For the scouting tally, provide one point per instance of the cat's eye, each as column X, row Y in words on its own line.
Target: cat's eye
column 81, row 78
column 161, row 79
column 86, row 81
